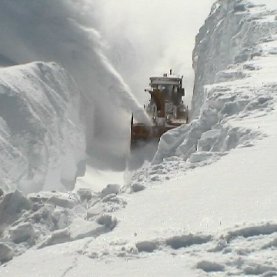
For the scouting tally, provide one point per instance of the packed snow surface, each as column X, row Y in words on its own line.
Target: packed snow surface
column 205, row 206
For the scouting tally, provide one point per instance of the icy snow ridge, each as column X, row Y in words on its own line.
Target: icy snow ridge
column 231, row 60
column 41, row 138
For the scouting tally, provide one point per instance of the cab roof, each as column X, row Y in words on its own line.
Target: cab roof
column 166, row 80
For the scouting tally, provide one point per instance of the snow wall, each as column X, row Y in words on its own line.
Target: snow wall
column 41, row 137
column 63, row 31
column 230, row 36
column 227, row 53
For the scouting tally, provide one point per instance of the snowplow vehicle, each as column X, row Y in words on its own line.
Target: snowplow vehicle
column 165, row 110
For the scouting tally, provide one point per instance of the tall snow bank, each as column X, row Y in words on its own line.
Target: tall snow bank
column 232, row 64
column 63, row 31
column 230, row 36
column 41, row 136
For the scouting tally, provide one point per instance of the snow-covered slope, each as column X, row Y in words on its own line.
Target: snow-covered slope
column 207, row 204
column 42, row 140
column 63, row 31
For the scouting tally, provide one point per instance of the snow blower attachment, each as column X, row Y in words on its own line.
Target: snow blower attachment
column 165, row 109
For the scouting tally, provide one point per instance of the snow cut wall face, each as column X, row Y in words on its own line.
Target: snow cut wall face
column 41, row 137
column 63, row 31
column 229, row 36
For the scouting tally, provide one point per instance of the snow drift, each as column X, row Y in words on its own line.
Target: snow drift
column 62, row 31
column 41, row 136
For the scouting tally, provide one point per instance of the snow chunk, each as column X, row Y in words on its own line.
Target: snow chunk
column 81, row 228
column 147, row 246
column 136, row 187
column 12, row 205
column 110, row 189
column 264, row 229
column 22, row 232
column 95, row 210
column 208, row 266
column 85, row 194
column 208, row 139
column 187, row 240
column 271, row 244
column 200, row 157
column 59, row 236
column 107, row 220
column 6, row 253
column 65, row 200
column 259, row 269
column 61, row 201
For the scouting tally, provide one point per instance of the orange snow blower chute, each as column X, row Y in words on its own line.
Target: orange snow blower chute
column 166, row 110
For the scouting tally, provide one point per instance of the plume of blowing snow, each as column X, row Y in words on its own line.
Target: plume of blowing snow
column 63, row 31
column 150, row 37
